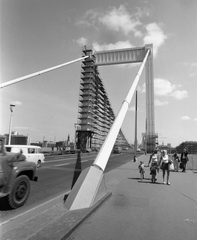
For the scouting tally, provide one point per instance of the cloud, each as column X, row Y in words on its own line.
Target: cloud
column 185, row 118
column 82, row 41
column 192, row 74
column 195, row 119
column 160, row 103
column 154, row 35
column 164, row 88
column 110, row 46
column 194, row 64
column 141, row 12
column 89, row 19
column 179, row 94
column 119, row 20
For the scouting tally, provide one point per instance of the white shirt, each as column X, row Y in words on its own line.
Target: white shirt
column 165, row 159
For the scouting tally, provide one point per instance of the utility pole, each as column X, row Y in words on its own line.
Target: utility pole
column 146, row 137
column 135, row 141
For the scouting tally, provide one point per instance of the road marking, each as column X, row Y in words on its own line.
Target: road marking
column 69, row 163
column 62, row 164
column 32, row 209
column 67, row 159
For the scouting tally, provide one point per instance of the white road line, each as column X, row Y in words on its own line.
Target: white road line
column 32, row 209
column 49, row 161
column 62, row 164
column 69, row 163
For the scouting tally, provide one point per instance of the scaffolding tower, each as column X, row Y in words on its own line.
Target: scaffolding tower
column 95, row 115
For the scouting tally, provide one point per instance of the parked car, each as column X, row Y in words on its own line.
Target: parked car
column 117, row 150
column 32, row 153
column 15, row 176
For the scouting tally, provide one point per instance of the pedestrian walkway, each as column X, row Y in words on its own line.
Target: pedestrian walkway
column 144, row 210
column 133, row 209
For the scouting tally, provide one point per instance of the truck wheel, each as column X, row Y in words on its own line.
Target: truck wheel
column 38, row 163
column 20, row 192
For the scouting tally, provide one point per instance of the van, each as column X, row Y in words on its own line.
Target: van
column 32, row 153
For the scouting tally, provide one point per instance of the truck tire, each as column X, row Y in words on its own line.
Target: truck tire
column 20, row 192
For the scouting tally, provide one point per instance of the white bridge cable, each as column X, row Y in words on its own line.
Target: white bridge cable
column 105, row 151
column 39, row 73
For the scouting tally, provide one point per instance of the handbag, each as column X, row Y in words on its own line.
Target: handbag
column 181, row 165
column 171, row 167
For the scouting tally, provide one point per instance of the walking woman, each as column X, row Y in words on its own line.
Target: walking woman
column 184, row 159
column 165, row 161
column 176, row 162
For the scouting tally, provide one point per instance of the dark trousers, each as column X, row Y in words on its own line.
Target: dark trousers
column 184, row 162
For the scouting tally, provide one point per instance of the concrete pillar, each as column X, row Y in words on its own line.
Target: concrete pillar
column 150, row 112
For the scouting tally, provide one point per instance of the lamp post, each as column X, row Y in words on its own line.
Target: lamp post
column 76, row 125
column 10, row 129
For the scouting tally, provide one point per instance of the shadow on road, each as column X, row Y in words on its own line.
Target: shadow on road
column 4, row 206
column 145, row 180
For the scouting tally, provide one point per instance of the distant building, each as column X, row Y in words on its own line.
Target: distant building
column 48, row 144
column 37, row 144
column 17, row 139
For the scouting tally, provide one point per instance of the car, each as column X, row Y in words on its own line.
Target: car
column 32, row 153
column 15, row 176
column 117, row 150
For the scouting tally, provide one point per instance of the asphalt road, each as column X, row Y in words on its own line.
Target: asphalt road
column 54, row 179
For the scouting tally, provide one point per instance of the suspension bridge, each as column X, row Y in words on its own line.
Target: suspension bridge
column 97, row 125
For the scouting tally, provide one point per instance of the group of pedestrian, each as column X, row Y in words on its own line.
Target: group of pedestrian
column 182, row 161
column 164, row 162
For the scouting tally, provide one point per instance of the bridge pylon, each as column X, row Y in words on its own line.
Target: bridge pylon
column 95, row 115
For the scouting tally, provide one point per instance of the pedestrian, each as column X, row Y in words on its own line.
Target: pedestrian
column 184, row 159
column 165, row 161
column 154, row 163
column 158, row 158
column 176, row 161
column 52, row 150
column 141, row 169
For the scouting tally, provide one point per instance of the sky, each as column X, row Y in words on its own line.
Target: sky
column 39, row 34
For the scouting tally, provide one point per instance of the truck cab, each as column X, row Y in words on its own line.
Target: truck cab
column 15, row 176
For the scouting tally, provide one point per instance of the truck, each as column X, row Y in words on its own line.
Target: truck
column 15, row 176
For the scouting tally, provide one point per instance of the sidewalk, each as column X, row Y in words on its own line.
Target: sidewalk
column 133, row 209
column 143, row 210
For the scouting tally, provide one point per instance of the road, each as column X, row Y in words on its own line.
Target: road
column 54, row 179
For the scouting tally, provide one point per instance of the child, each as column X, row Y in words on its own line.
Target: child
column 141, row 169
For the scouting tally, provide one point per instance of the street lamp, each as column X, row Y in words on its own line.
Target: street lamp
column 11, row 110
column 76, row 125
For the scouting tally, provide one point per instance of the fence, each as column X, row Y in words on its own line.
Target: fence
column 192, row 163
